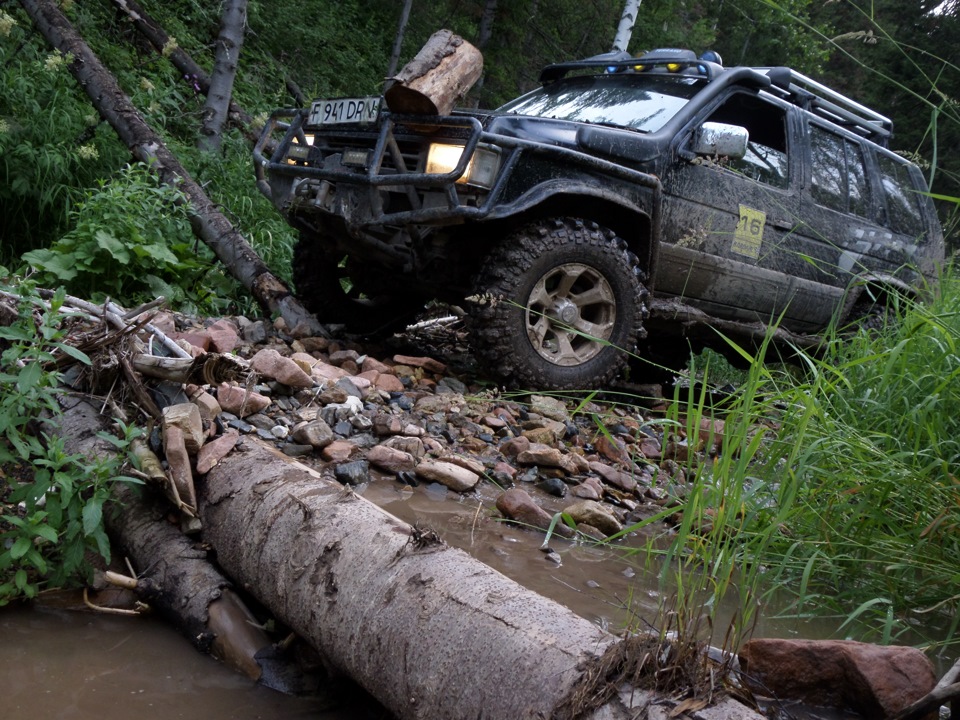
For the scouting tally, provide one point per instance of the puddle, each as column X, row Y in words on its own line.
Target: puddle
column 62, row 665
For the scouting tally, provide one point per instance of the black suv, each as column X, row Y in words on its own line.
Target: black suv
column 647, row 204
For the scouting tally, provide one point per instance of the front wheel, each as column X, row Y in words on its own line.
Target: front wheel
column 559, row 305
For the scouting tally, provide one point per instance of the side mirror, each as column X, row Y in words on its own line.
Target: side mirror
column 721, row 140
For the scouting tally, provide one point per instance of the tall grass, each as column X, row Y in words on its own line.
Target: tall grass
column 835, row 488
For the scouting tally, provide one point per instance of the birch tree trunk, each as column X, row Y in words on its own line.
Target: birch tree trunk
column 166, row 46
column 625, row 30
column 426, row 629
column 229, row 42
column 208, row 223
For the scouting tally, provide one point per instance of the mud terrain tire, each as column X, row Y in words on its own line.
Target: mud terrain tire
column 559, row 304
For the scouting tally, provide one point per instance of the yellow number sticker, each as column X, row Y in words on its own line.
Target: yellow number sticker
column 749, row 235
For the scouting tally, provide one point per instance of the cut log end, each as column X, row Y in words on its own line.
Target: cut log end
column 439, row 76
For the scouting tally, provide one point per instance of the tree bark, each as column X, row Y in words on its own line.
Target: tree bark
column 625, row 30
column 176, row 577
column 162, row 43
column 208, row 223
column 398, row 40
column 229, row 42
column 425, row 628
column 440, row 75
column 405, row 616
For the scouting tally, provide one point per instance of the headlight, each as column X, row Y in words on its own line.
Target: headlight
column 481, row 170
column 296, row 151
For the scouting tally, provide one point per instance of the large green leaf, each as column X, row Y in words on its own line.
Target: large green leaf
column 113, row 246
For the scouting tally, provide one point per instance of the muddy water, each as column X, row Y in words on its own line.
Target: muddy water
column 62, row 665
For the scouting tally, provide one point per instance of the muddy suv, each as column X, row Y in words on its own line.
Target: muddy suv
column 650, row 205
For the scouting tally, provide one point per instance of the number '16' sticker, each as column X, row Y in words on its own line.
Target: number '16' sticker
column 749, row 235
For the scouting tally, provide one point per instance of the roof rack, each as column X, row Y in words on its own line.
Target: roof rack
column 829, row 104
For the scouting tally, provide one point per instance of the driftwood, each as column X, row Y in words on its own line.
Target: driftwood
column 439, row 76
column 947, row 690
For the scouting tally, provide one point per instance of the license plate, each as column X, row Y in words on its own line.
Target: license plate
column 351, row 111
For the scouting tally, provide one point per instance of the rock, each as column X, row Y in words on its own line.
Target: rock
column 339, row 451
column 208, row 406
column 223, row 336
column 514, row 446
column 391, row 460
column 411, row 445
column 316, row 434
column 614, row 477
column 446, row 403
column 589, row 489
column 546, row 456
column 326, row 372
column 553, row 486
column 214, row 451
column 872, row 680
column 427, row 363
column 355, row 472
column 517, row 505
column 453, row 476
column 550, row 407
column 593, row 513
column 451, row 386
column 613, row 450
column 178, row 461
column 541, row 435
column 238, row 401
column 385, row 425
column 186, row 416
column 270, row 363
column 471, row 464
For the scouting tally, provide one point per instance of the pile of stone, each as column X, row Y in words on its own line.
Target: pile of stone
column 410, row 419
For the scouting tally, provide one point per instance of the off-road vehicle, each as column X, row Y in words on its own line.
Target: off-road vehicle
column 654, row 202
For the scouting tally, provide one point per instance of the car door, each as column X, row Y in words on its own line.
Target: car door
column 729, row 242
column 860, row 229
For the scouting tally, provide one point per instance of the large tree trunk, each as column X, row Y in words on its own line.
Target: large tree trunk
column 425, row 628
column 208, row 223
column 229, row 42
column 162, row 43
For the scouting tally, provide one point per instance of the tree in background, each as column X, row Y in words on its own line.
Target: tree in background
column 226, row 59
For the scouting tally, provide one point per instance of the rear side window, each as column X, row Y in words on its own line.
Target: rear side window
column 839, row 173
column 902, row 197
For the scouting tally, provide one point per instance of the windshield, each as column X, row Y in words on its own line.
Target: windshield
column 641, row 102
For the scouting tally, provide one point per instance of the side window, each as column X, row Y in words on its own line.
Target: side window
column 839, row 173
column 766, row 158
column 901, row 195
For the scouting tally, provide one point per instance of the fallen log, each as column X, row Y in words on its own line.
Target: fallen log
column 423, row 627
column 439, row 76
column 176, row 578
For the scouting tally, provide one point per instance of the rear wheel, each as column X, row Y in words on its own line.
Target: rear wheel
column 560, row 305
column 330, row 289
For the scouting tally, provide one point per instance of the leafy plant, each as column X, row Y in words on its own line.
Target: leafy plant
column 131, row 236
column 51, row 504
